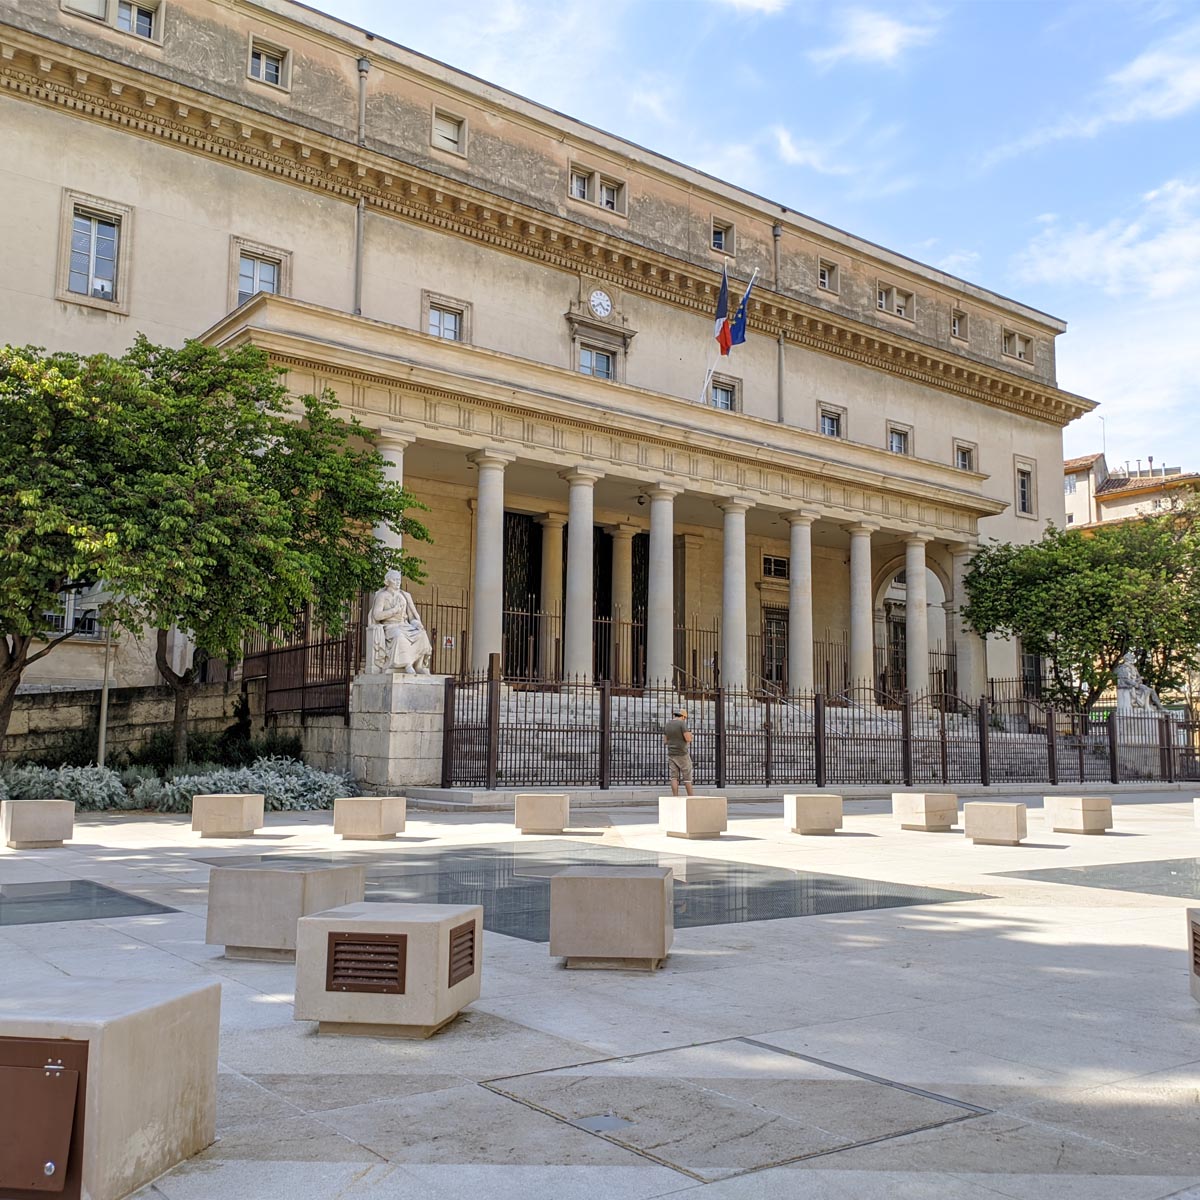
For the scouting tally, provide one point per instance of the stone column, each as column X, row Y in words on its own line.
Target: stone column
column 862, row 624
column 660, row 589
column 970, row 650
column 392, row 446
column 580, row 605
column 487, row 597
column 916, row 614
column 733, row 594
column 800, row 603
column 551, row 593
column 622, row 601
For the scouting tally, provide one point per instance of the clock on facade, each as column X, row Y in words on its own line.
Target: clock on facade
column 600, row 302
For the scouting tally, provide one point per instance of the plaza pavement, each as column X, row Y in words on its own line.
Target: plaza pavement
column 1040, row 1041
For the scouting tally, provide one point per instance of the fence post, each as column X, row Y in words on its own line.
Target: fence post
column 493, row 731
column 719, row 748
column 819, row 739
column 1114, row 759
column 945, row 756
column 985, row 757
column 767, row 749
column 1052, row 745
column 906, row 739
column 1166, row 759
column 448, row 732
column 605, row 735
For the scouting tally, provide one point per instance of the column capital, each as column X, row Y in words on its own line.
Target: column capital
column 624, row 530
column 395, row 438
column 582, row 475
column 862, row 529
column 491, row 458
column 801, row 516
column 917, row 539
column 664, row 491
column 552, row 520
column 735, row 504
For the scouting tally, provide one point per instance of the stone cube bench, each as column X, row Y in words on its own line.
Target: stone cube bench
column 105, row 1083
column 369, row 818
column 812, row 813
column 612, row 918
column 693, row 816
column 928, row 812
column 994, row 823
column 388, row 970
column 230, row 816
column 253, row 911
column 542, row 812
column 1078, row 814
column 1193, row 944
column 35, row 824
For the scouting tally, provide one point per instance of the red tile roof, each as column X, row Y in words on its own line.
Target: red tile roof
column 1144, row 483
column 1078, row 464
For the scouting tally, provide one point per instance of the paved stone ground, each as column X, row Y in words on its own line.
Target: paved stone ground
column 1040, row 1041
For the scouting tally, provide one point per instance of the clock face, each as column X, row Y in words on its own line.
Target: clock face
column 600, row 303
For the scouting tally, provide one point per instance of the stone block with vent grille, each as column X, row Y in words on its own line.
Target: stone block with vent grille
column 542, row 812
column 929, row 812
column 1078, row 814
column 369, row 818
column 388, row 970
column 814, row 813
column 1193, row 944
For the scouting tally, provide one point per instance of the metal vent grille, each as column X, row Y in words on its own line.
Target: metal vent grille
column 462, row 953
column 366, row 962
column 1195, row 949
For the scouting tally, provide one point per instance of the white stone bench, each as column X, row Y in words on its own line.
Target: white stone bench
column 388, row 970
column 693, row 816
column 1078, row 814
column 252, row 911
column 929, row 812
column 812, row 813
column 542, row 812
column 34, row 824
column 107, row 1083
column 232, row 816
column 369, row 818
column 994, row 823
column 612, row 918
column 1193, row 944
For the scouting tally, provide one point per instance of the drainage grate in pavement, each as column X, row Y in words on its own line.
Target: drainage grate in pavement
column 726, row 1108
column 69, row 900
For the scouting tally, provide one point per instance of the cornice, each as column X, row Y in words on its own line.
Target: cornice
column 58, row 76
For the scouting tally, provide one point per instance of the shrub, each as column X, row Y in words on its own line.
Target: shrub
column 284, row 783
column 93, row 789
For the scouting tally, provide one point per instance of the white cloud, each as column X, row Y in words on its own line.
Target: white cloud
column 805, row 153
column 872, row 37
column 1160, row 83
column 958, row 262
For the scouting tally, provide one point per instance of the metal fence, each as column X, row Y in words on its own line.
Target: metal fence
column 587, row 734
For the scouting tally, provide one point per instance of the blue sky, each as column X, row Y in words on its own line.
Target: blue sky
column 1049, row 151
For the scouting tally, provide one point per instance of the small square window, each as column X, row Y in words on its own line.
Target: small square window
column 581, row 184
column 1070, row 518
column 445, row 317
column 255, row 267
column 964, row 458
column 449, row 133
column 268, row 64
column 831, row 423
column 88, row 8
column 612, row 195
column 1017, row 345
column 898, row 441
column 139, row 19
column 446, row 323
column 722, row 237
column 775, row 567
column 827, row 276
column 724, row 397
column 895, row 300
column 599, row 363
column 958, row 324
column 257, row 274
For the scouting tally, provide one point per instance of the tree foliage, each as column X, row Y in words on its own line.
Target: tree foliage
column 1082, row 599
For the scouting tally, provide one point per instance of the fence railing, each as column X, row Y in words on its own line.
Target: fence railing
column 586, row 734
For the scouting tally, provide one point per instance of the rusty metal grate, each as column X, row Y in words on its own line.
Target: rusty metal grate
column 366, row 962
column 462, row 953
column 1195, row 949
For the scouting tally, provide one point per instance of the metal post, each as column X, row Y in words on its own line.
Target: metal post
column 493, row 732
column 819, row 738
column 906, row 739
column 945, row 757
column 1052, row 745
column 1164, row 750
column 985, row 763
column 1114, row 758
column 448, row 734
column 768, row 749
column 719, row 748
column 605, row 735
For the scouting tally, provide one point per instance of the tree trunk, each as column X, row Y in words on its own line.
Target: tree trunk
column 14, row 651
column 182, row 685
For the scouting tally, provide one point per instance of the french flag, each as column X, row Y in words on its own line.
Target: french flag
column 721, row 330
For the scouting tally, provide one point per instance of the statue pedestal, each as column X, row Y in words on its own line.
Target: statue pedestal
column 396, row 725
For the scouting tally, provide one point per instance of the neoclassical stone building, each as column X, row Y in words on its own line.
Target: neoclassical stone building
column 522, row 306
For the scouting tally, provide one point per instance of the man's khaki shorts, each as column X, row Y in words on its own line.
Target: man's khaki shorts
column 680, row 767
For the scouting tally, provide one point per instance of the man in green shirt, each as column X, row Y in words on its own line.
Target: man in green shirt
column 678, row 738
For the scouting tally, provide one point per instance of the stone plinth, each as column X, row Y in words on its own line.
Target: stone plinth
column 34, row 824
column 232, row 816
column 252, row 911
column 542, row 812
column 1078, row 814
column 692, row 816
column 369, row 818
column 989, row 823
column 930, row 812
column 396, row 723
column 146, row 1056
column 814, row 813
column 388, row 970
column 612, row 918
column 1193, row 944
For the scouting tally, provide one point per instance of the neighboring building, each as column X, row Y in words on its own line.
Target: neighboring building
column 1093, row 493
column 522, row 305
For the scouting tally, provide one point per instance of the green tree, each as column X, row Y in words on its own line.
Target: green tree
column 58, row 437
column 1082, row 599
column 239, row 506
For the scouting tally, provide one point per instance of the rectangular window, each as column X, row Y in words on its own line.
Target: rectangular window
column 581, row 185
column 1069, row 483
column 827, row 276
column 612, row 195
column 1017, row 345
column 831, row 423
column 964, row 458
column 89, row 8
column 774, row 567
column 135, row 18
column 445, row 323
column 1025, row 491
column 257, row 275
column 1070, row 518
column 896, row 301
column 599, row 363
column 898, row 441
column 449, row 133
column 722, row 236
column 724, row 397
column 958, row 324
column 95, row 243
column 268, row 64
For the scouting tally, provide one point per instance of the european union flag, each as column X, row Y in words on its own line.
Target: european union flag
column 737, row 327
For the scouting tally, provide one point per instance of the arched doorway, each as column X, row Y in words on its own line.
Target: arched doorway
column 891, row 641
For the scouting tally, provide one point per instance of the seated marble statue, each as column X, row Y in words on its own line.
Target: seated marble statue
column 397, row 638
column 1132, row 690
